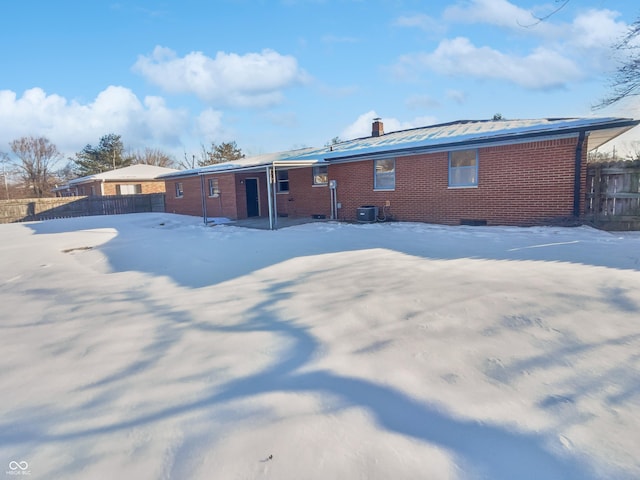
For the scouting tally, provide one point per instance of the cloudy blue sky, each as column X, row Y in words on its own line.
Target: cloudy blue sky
column 281, row 74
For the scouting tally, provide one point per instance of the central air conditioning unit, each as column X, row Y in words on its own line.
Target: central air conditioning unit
column 367, row 214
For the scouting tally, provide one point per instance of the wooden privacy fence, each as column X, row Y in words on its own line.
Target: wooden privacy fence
column 28, row 209
column 613, row 195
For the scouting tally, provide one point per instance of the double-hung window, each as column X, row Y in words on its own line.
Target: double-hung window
column 320, row 175
column 463, row 168
column 384, row 174
column 128, row 189
column 179, row 190
column 214, row 189
column 283, row 181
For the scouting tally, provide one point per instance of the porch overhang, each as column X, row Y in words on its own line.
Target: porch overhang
column 270, row 168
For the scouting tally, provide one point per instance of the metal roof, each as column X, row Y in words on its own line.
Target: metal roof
column 464, row 133
column 254, row 162
column 452, row 135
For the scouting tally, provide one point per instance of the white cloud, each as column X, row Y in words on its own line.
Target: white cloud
column 503, row 14
column 251, row 80
column 596, row 29
column 71, row 125
column 361, row 127
column 541, row 69
column 584, row 41
column 593, row 28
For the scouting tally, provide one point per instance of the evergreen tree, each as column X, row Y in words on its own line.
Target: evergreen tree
column 225, row 152
column 108, row 155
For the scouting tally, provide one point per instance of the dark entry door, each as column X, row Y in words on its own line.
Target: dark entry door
column 253, row 204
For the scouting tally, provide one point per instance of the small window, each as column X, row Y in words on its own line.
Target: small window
column 214, row 190
column 127, row 189
column 463, row 168
column 385, row 174
column 179, row 190
column 93, row 190
column 320, row 175
column 283, row 181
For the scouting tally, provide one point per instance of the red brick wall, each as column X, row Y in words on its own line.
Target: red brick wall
column 231, row 203
column 85, row 188
column 190, row 203
column 304, row 199
column 224, row 205
column 518, row 185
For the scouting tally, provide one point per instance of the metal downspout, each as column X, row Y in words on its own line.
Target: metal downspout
column 204, row 199
column 269, row 199
column 577, row 179
column 275, row 197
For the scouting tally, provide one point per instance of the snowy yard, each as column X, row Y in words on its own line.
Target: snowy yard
column 149, row 346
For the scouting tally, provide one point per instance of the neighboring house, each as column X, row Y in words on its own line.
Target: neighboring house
column 122, row 181
column 508, row 172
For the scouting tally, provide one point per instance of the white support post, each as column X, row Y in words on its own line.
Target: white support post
column 270, row 201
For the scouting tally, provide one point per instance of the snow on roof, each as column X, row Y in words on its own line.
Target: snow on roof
column 305, row 155
column 460, row 133
column 134, row 172
column 465, row 132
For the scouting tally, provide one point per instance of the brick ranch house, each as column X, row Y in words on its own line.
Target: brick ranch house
column 121, row 181
column 495, row 172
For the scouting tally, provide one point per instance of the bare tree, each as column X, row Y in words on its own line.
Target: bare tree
column 626, row 80
column 153, row 156
column 536, row 20
column 37, row 156
column 5, row 161
column 187, row 163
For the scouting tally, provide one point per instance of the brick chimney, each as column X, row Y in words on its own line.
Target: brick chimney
column 377, row 129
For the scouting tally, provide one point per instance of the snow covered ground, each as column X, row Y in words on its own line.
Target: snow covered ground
column 149, row 346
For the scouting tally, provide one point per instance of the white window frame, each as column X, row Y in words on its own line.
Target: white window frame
column 457, row 171
column 320, row 175
column 179, row 190
column 282, row 178
column 125, row 188
column 379, row 175
column 214, row 187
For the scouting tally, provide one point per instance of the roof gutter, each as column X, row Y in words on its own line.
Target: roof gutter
column 577, row 179
column 251, row 168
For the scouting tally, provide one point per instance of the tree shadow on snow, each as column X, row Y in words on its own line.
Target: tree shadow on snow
column 203, row 256
column 489, row 451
